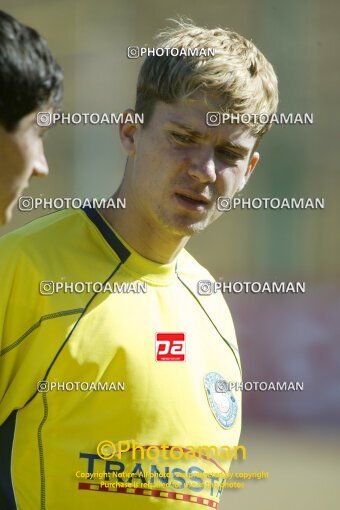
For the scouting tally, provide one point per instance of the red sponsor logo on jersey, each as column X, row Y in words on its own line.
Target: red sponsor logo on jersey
column 170, row 347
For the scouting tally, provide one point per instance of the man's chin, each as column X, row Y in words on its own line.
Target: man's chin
column 186, row 229
column 180, row 225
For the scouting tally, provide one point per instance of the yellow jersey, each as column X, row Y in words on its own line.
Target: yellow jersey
column 136, row 356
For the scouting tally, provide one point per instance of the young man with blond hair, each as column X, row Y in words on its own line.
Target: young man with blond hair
column 165, row 356
column 30, row 80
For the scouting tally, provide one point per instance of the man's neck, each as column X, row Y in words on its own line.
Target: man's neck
column 154, row 244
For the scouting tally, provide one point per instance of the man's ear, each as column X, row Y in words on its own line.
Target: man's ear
column 127, row 132
column 252, row 164
column 251, row 167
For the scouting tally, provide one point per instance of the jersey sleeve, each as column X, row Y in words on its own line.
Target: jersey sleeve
column 19, row 312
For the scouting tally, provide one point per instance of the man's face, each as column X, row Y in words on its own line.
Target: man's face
column 21, row 156
column 180, row 166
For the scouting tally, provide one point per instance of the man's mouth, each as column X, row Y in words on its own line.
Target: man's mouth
column 192, row 200
column 195, row 198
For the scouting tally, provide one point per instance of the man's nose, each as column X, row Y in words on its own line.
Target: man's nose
column 203, row 166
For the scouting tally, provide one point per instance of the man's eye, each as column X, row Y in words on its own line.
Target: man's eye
column 181, row 138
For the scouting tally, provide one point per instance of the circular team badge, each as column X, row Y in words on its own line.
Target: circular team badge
column 221, row 400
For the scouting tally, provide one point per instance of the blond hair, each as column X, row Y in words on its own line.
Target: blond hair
column 238, row 73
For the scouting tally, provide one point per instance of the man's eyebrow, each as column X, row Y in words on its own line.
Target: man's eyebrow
column 187, row 128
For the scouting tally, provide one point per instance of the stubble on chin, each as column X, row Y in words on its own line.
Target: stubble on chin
column 185, row 227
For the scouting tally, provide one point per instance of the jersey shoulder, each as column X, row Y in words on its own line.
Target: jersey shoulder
column 66, row 234
column 52, row 226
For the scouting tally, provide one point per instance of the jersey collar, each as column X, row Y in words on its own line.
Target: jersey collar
column 134, row 263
